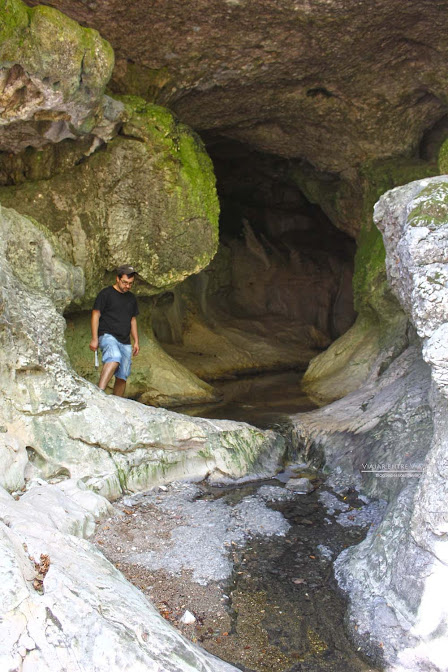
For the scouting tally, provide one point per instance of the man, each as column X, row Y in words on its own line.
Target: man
column 114, row 320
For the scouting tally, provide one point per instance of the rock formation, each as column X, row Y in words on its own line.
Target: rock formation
column 389, row 437
column 53, row 74
column 325, row 81
column 57, row 426
column 310, row 111
column 64, row 606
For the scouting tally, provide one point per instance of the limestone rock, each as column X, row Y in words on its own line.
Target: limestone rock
column 155, row 175
column 397, row 613
column 112, row 444
column 33, row 361
column 188, row 618
column 413, row 220
column 14, row 459
column 292, row 83
column 302, row 486
column 53, row 74
column 387, row 417
column 81, row 613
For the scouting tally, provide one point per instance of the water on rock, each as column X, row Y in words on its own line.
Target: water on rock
column 252, row 563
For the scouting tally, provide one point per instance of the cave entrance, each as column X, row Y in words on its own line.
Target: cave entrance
column 279, row 290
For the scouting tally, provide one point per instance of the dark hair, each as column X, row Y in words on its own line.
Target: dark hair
column 126, row 270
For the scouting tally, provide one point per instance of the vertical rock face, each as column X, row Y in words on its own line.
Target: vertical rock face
column 396, row 576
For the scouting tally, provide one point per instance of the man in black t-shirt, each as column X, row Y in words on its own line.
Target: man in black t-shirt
column 114, row 321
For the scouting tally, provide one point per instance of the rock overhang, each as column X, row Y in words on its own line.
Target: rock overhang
column 335, row 83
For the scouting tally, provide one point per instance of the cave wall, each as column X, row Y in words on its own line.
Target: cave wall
column 280, row 288
column 128, row 146
column 336, row 83
column 380, row 332
column 356, row 103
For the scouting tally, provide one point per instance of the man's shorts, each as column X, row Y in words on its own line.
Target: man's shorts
column 114, row 351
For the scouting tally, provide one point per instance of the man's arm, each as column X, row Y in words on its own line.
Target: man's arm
column 94, row 322
column 134, row 334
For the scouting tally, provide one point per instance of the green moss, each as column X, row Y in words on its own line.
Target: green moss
column 432, row 209
column 197, row 170
column 147, row 121
column 443, row 158
column 156, row 123
column 138, row 80
column 50, row 45
column 14, row 18
column 185, row 158
column 242, row 448
column 370, row 287
column 377, row 177
column 206, row 453
column 370, row 269
column 122, row 478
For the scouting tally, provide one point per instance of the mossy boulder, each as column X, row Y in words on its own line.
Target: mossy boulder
column 53, row 74
column 147, row 198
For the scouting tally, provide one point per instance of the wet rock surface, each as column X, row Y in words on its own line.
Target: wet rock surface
column 251, row 564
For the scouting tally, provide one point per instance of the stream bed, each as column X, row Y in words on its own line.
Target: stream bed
column 246, row 571
column 265, row 400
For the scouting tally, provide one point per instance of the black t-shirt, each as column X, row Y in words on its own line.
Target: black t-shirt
column 117, row 309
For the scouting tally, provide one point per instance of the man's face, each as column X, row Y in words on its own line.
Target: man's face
column 125, row 283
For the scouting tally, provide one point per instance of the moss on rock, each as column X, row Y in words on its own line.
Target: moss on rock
column 379, row 333
column 148, row 198
column 53, row 74
column 443, row 158
column 49, row 45
column 432, row 209
column 15, row 17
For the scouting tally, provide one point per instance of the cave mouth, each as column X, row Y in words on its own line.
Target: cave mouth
column 279, row 290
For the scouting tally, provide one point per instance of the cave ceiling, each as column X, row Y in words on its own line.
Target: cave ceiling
column 332, row 82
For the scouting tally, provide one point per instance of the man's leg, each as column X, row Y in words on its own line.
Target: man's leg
column 107, row 372
column 123, row 371
column 119, row 387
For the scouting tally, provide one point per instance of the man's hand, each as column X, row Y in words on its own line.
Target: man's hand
column 94, row 344
column 136, row 349
column 94, row 322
